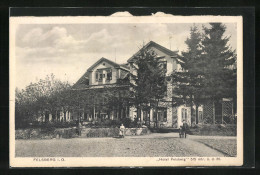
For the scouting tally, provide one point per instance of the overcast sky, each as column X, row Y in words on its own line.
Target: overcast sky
column 68, row 50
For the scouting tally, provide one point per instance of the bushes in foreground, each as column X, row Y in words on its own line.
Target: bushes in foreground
column 108, row 123
column 217, row 130
column 73, row 132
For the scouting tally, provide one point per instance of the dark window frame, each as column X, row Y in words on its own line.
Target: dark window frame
column 109, row 75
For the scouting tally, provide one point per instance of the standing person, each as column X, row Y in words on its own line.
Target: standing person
column 122, row 131
column 184, row 127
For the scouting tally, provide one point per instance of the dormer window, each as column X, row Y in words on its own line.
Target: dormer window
column 100, row 77
column 109, row 75
column 163, row 65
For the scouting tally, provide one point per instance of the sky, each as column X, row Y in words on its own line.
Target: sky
column 68, row 50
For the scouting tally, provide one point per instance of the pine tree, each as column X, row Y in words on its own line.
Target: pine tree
column 219, row 70
column 149, row 84
column 187, row 82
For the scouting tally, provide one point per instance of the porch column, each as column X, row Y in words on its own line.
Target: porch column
column 142, row 115
column 151, row 115
column 50, row 117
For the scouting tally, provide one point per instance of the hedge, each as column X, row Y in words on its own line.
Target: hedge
column 51, row 133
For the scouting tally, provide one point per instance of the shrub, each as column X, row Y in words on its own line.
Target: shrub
column 22, row 134
column 103, row 132
column 126, row 122
column 116, row 123
column 225, row 130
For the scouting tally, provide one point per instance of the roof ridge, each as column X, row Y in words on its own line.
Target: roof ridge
column 156, row 44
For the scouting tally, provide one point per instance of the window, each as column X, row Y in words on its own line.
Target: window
column 162, row 115
column 109, row 75
column 200, row 115
column 100, row 77
column 154, row 115
column 184, row 114
column 165, row 65
column 165, row 116
column 144, row 115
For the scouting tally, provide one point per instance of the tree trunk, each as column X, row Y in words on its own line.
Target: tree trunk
column 197, row 114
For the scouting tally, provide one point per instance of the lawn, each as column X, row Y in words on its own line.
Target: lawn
column 214, row 130
column 226, row 146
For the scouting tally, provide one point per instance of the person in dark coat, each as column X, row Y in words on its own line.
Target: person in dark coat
column 184, row 129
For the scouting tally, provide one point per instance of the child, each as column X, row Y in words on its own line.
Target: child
column 122, row 131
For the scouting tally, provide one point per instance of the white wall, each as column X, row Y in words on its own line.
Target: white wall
column 171, row 62
column 179, row 110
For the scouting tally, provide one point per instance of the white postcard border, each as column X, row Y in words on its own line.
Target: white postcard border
column 126, row 161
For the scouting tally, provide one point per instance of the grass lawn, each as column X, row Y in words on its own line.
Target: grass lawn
column 226, row 146
column 214, row 130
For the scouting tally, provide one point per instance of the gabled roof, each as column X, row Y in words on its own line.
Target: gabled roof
column 101, row 60
column 159, row 47
column 125, row 66
column 96, row 64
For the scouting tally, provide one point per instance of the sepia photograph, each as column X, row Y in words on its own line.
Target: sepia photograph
column 157, row 90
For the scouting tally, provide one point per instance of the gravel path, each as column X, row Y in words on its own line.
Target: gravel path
column 153, row 145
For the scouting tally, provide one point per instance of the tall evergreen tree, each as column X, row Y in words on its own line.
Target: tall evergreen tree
column 149, row 85
column 219, row 60
column 187, row 81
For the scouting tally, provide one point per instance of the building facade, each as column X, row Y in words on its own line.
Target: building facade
column 102, row 93
column 106, row 75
